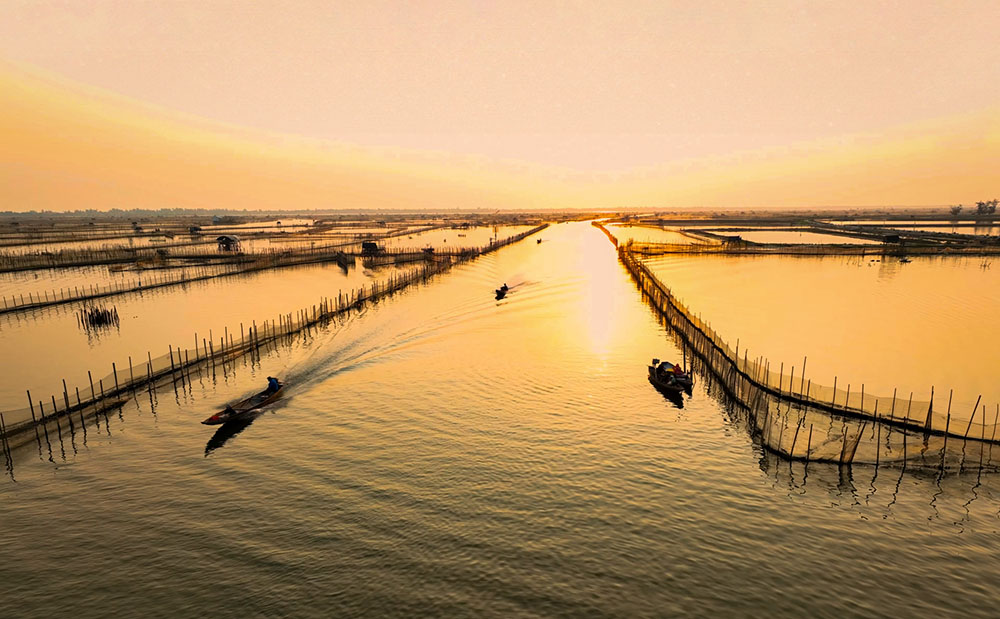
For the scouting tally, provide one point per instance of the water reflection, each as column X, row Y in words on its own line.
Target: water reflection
column 961, row 500
column 230, row 429
column 520, row 453
column 60, row 439
column 50, row 345
column 676, row 398
column 887, row 325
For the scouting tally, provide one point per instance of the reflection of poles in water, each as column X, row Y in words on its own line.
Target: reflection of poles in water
column 947, row 425
column 6, row 448
column 845, row 483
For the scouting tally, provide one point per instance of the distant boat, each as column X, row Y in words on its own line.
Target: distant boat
column 502, row 291
column 538, row 241
column 905, row 260
column 243, row 407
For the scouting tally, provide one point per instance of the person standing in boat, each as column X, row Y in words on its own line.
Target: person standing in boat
column 273, row 384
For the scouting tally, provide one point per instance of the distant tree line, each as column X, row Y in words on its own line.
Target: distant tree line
column 983, row 207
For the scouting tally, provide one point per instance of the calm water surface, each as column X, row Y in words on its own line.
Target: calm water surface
column 445, row 454
column 645, row 234
column 50, row 344
column 864, row 320
column 798, row 238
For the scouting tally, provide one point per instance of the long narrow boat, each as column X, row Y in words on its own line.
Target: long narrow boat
column 241, row 408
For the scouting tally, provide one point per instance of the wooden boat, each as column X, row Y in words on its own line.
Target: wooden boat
column 664, row 383
column 663, row 377
column 502, row 291
column 243, row 407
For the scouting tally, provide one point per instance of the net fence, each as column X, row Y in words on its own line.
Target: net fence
column 113, row 388
column 801, row 419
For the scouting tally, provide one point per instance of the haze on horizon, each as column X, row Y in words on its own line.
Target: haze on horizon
column 512, row 105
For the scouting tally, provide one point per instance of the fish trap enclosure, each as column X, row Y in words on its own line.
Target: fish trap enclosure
column 94, row 317
column 125, row 379
column 802, row 420
column 807, row 249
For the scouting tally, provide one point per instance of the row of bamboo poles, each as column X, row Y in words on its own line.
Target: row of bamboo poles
column 803, row 249
column 70, row 258
column 796, row 425
column 74, row 294
column 110, row 390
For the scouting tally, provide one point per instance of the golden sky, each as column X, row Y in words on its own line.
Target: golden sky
column 507, row 105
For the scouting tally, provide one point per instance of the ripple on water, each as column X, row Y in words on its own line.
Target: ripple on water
column 442, row 454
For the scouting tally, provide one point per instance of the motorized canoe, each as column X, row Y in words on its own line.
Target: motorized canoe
column 241, row 408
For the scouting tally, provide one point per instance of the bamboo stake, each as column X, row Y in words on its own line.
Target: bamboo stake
column 974, row 408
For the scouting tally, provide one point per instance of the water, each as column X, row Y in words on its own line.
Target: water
column 789, row 236
column 645, row 234
column 448, row 238
column 52, row 346
column 447, row 454
column 986, row 230
column 864, row 320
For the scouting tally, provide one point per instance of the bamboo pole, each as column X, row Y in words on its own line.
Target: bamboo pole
column 974, row 408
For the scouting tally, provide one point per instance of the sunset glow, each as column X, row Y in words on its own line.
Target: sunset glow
column 663, row 105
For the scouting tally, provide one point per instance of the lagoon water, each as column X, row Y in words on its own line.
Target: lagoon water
column 445, row 454
column 869, row 320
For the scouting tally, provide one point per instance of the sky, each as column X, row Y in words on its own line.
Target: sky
column 499, row 104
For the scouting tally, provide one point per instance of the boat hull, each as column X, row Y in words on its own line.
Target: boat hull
column 664, row 385
column 244, row 407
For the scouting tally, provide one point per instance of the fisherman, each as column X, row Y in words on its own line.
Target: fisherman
column 272, row 384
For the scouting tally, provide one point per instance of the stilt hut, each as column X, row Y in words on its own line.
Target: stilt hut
column 228, row 242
